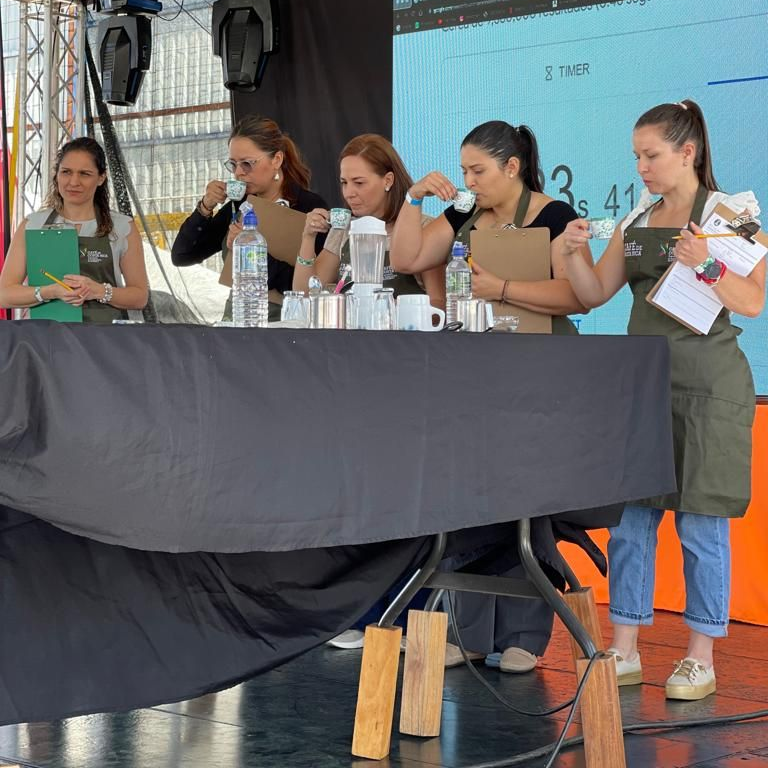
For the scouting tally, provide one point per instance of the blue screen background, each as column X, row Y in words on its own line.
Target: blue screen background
column 638, row 54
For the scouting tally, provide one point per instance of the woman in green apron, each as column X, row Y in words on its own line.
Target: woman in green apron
column 373, row 183
column 713, row 398
column 501, row 166
column 113, row 276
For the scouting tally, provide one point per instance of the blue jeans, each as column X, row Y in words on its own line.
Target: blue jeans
column 706, row 566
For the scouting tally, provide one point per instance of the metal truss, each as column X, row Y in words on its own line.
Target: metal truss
column 51, row 95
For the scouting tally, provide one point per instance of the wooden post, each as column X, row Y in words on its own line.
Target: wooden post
column 601, row 714
column 376, row 692
column 421, row 705
column 582, row 603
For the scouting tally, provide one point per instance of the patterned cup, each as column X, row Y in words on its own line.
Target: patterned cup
column 464, row 200
column 340, row 218
column 235, row 189
column 602, row 229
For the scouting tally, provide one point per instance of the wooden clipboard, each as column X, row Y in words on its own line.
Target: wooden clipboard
column 515, row 254
column 56, row 251
column 282, row 228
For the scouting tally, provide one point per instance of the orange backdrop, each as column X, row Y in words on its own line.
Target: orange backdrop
column 749, row 544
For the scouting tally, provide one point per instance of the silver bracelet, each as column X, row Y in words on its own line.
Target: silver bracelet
column 107, row 294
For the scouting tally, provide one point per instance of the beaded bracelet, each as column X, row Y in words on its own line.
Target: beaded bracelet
column 305, row 262
column 107, row 294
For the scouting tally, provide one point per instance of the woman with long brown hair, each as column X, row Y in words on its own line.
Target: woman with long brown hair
column 270, row 164
column 113, row 276
column 374, row 182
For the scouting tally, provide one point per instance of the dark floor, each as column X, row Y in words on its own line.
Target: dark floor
column 301, row 715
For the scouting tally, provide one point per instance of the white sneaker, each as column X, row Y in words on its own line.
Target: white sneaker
column 348, row 639
column 690, row 681
column 628, row 672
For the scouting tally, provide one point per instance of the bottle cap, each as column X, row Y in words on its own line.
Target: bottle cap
column 459, row 250
column 250, row 219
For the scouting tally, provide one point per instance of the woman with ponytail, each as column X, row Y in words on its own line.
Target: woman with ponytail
column 270, row 164
column 501, row 166
column 713, row 397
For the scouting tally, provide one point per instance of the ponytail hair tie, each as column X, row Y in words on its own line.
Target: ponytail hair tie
column 684, row 106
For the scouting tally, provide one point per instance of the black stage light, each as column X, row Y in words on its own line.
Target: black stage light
column 125, row 48
column 245, row 33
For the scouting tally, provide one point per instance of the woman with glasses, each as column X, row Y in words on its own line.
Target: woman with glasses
column 271, row 166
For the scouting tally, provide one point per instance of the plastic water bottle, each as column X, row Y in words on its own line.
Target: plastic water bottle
column 250, row 293
column 458, row 280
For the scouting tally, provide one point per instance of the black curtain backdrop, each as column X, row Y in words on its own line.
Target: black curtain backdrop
column 330, row 81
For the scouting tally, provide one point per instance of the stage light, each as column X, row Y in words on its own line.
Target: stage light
column 245, row 33
column 125, row 48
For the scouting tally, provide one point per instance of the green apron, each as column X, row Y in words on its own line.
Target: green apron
column 713, row 396
column 562, row 326
column 96, row 262
column 402, row 284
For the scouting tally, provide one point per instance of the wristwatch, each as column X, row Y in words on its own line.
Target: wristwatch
column 700, row 269
column 413, row 200
column 712, row 273
column 39, row 295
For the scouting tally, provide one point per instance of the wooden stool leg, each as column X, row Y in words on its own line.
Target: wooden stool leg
column 582, row 603
column 421, row 705
column 376, row 692
column 601, row 715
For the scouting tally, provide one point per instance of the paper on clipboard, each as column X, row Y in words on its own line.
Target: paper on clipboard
column 515, row 254
column 692, row 302
column 282, row 228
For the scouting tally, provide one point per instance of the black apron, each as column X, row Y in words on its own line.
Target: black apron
column 96, row 262
column 561, row 325
column 713, row 395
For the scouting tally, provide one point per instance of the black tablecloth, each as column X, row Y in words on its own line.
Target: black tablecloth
column 182, row 439
column 173, row 500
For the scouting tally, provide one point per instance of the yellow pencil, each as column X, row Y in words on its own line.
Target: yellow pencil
column 704, row 237
column 56, row 280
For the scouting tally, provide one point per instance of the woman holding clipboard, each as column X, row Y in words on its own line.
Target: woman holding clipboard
column 112, row 276
column 713, row 397
column 500, row 164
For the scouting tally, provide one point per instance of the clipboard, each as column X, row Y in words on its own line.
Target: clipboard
column 282, row 228
column 515, row 254
column 54, row 250
column 694, row 304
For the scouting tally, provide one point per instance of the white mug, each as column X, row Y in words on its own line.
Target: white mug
column 414, row 313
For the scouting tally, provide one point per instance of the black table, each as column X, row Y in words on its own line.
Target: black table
column 184, row 507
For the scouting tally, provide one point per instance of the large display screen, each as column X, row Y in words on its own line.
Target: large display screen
column 580, row 74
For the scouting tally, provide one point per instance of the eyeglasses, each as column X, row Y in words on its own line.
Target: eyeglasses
column 246, row 165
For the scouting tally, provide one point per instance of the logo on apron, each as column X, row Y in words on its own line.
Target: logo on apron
column 667, row 252
column 633, row 250
column 92, row 256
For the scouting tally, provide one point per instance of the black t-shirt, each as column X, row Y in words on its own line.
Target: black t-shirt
column 555, row 216
column 200, row 237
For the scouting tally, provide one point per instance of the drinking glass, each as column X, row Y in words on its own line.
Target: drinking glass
column 295, row 309
column 383, row 309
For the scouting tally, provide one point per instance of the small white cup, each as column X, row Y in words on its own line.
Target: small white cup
column 464, row 200
column 235, row 189
column 414, row 313
column 602, row 229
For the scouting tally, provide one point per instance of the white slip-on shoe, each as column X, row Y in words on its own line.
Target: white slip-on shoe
column 690, row 681
column 453, row 655
column 517, row 661
column 627, row 672
column 348, row 639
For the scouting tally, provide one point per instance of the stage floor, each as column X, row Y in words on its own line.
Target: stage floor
column 301, row 716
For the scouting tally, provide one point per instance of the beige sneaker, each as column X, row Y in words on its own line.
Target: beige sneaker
column 517, row 661
column 627, row 672
column 453, row 655
column 690, row 681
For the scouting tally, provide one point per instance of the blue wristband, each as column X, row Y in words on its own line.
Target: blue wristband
column 412, row 200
